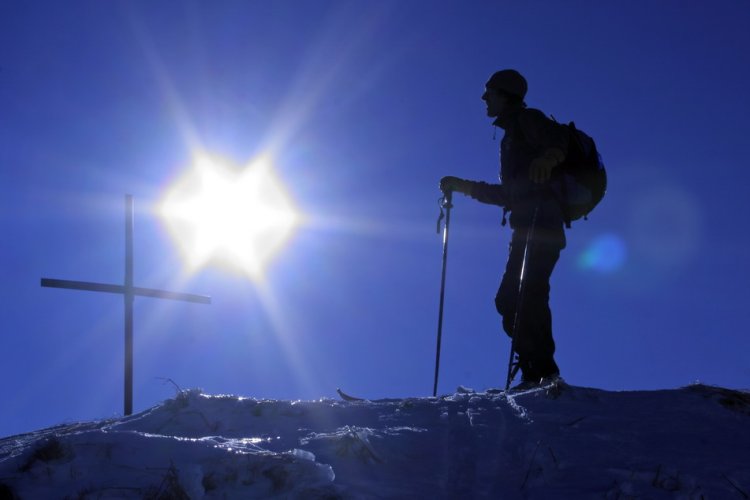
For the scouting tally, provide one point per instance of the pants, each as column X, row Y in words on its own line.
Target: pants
column 533, row 341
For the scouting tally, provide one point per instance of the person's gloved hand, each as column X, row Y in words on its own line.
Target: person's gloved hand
column 450, row 183
column 541, row 167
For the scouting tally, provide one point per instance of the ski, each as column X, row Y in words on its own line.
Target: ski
column 552, row 388
column 347, row 397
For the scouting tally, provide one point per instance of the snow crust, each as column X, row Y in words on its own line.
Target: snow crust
column 576, row 442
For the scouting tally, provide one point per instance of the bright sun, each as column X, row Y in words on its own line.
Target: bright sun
column 238, row 218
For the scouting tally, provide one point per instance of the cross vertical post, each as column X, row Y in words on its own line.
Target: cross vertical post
column 129, row 299
column 129, row 292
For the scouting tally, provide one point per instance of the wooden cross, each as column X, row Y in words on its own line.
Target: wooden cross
column 128, row 291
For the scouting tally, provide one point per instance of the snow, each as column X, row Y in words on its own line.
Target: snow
column 576, row 442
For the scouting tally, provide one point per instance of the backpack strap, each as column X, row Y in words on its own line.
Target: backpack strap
column 564, row 205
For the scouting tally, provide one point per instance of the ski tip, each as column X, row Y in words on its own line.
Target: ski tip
column 347, row 397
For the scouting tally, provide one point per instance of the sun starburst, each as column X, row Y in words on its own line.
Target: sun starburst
column 236, row 217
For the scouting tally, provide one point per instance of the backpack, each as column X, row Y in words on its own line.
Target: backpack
column 583, row 167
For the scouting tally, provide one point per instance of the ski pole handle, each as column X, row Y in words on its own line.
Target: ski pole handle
column 447, row 199
column 444, row 203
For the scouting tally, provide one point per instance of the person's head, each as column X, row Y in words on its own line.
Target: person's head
column 505, row 88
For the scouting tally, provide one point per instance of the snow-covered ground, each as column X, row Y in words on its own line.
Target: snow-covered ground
column 576, row 443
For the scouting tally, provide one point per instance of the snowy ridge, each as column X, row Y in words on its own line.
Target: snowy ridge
column 577, row 443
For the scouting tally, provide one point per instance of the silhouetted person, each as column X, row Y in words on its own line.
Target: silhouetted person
column 532, row 147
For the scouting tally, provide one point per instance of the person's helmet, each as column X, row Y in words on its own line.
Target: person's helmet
column 509, row 81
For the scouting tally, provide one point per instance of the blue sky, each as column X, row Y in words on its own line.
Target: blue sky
column 364, row 106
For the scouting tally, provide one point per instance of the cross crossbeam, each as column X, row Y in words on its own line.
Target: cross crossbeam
column 129, row 292
column 121, row 289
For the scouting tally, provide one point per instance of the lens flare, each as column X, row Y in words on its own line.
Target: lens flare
column 606, row 254
column 665, row 226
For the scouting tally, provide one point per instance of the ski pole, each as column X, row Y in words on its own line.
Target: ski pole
column 445, row 203
column 514, row 367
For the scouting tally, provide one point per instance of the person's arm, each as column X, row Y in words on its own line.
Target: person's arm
column 493, row 194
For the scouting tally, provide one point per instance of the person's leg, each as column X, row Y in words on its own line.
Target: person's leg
column 534, row 343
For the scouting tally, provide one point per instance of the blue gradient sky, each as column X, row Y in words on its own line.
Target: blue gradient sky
column 364, row 106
